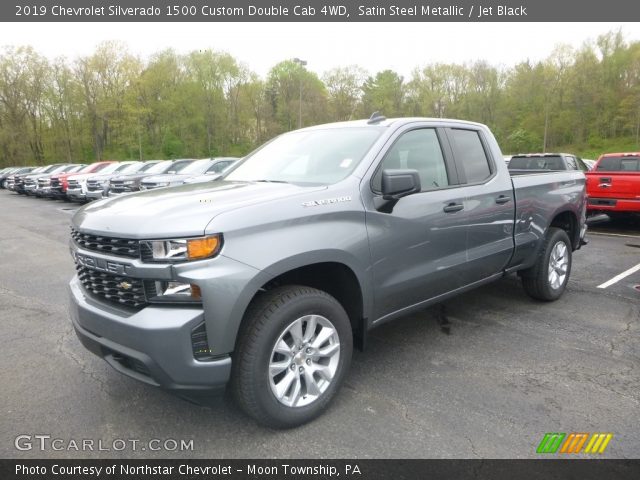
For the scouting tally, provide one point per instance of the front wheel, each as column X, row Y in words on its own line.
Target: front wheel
column 293, row 352
column 548, row 278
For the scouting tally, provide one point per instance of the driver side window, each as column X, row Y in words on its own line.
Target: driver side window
column 417, row 150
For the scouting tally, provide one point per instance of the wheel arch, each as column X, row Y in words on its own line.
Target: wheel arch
column 335, row 277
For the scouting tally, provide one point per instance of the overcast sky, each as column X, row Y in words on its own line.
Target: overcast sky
column 373, row 46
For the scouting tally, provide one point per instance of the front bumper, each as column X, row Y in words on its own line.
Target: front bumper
column 29, row 189
column 152, row 345
column 76, row 194
column 94, row 195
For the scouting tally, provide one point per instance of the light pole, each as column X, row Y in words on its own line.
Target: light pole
column 302, row 63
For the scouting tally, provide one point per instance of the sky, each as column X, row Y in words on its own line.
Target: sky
column 373, row 46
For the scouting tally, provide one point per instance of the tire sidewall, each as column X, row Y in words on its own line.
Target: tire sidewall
column 308, row 304
column 558, row 236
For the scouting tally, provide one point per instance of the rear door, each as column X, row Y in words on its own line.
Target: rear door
column 489, row 206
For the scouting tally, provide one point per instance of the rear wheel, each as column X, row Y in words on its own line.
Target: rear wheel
column 548, row 278
column 292, row 355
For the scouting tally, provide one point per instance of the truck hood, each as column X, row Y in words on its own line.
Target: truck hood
column 130, row 176
column 176, row 212
column 203, row 178
column 167, row 177
column 80, row 176
column 101, row 176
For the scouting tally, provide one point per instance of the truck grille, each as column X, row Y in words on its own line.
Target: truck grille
column 29, row 183
column 44, row 182
column 123, row 247
column 116, row 289
column 119, row 187
column 73, row 184
column 148, row 186
column 55, row 183
column 93, row 185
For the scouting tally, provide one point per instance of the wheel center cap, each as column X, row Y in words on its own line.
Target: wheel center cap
column 299, row 358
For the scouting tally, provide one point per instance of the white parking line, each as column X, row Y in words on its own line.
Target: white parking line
column 617, row 278
column 605, row 234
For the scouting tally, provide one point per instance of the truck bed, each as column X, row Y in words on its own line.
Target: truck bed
column 540, row 196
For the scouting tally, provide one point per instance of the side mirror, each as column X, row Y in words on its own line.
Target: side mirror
column 400, row 183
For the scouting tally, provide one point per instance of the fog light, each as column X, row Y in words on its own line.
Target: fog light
column 174, row 292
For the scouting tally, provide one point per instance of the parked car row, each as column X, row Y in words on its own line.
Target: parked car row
column 83, row 183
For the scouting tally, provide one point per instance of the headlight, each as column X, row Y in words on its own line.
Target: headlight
column 175, row 292
column 181, row 250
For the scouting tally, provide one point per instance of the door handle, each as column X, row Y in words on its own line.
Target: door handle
column 453, row 207
column 502, row 199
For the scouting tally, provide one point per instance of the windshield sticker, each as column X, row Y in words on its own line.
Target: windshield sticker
column 346, row 163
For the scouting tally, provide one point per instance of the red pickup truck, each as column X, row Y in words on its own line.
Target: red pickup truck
column 613, row 186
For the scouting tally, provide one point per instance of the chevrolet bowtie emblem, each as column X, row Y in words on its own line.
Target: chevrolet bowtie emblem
column 125, row 285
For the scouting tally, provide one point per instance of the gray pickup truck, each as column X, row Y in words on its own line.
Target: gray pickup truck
column 266, row 279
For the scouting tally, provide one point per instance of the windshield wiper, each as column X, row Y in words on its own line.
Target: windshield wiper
column 269, row 181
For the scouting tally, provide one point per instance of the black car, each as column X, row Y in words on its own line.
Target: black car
column 8, row 174
column 131, row 182
column 19, row 180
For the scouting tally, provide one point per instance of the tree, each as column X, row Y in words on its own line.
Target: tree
column 344, row 91
column 384, row 93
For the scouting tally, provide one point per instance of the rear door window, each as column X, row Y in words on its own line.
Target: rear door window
column 470, row 154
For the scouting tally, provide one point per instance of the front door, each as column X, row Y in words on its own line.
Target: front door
column 418, row 245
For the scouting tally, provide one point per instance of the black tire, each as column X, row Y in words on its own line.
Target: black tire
column 535, row 280
column 267, row 317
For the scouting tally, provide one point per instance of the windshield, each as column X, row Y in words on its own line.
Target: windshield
column 51, row 169
column 197, row 167
column 551, row 162
column 110, row 168
column 93, row 168
column 219, row 166
column 627, row 163
column 161, row 167
column 59, row 169
column 178, row 166
column 145, row 166
column 127, row 167
column 314, row 156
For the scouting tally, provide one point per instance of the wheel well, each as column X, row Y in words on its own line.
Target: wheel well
column 336, row 279
column 568, row 222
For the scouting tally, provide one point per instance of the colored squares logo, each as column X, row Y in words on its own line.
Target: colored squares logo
column 574, row 443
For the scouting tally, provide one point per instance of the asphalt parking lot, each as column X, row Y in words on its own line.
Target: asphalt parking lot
column 509, row 371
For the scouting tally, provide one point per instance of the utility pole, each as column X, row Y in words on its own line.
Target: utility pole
column 302, row 63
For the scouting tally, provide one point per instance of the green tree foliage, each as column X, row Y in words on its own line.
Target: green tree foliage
column 114, row 105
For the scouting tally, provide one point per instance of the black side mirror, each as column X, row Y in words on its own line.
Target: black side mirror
column 400, row 183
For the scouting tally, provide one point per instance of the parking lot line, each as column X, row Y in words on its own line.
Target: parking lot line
column 606, row 234
column 617, row 278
